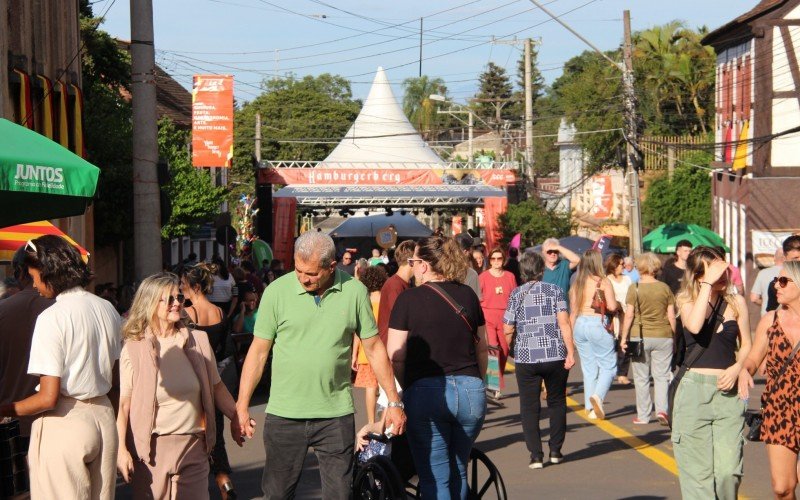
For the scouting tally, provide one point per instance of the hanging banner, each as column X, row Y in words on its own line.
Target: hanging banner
column 602, row 197
column 327, row 176
column 212, row 121
column 48, row 112
column 25, row 99
column 77, row 116
column 63, row 118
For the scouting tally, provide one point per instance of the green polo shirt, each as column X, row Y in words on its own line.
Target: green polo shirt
column 313, row 344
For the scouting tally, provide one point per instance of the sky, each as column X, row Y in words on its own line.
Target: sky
column 255, row 40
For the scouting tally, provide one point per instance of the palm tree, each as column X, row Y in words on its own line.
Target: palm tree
column 417, row 104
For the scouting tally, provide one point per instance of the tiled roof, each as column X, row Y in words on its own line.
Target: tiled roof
column 760, row 9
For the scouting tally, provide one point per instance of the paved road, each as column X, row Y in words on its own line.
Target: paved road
column 612, row 459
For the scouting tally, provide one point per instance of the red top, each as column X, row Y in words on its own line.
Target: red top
column 495, row 291
column 391, row 289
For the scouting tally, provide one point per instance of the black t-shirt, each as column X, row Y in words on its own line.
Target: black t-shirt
column 512, row 266
column 439, row 341
column 672, row 275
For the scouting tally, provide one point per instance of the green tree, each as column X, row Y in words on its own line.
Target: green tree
column 319, row 109
column 534, row 221
column 494, row 95
column 538, row 87
column 419, row 108
column 194, row 199
column 684, row 198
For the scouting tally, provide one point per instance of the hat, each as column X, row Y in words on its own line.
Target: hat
column 464, row 240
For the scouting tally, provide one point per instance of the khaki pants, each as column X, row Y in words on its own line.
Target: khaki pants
column 707, row 438
column 178, row 469
column 73, row 451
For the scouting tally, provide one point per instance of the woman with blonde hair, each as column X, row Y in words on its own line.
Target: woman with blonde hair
column 707, row 415
column 650, row 315
column 590, row 298
column 437, row 345
column 776, row 340
column 169, row 387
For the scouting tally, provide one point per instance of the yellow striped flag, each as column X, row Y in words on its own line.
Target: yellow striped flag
column 25, row 101
column 740, row 157
column 80, row 149
column 63, row 118
column 47, row 107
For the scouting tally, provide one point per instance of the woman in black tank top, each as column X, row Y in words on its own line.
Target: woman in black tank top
column 708, row 414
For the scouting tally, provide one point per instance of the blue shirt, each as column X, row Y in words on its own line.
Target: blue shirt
column 532, row 310
column 559, row 276
column 633, row 274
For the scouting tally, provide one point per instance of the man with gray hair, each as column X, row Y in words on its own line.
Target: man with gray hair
column 629, row 269
column 559, row 264
column 308, row 320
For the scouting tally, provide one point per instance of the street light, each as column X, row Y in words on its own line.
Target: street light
column 461, row 110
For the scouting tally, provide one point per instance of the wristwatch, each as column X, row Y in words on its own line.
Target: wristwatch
column 396, row 404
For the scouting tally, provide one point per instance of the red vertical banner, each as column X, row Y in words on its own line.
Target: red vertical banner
column 63, row 117
column 48, row 113
column 80, row 149
column 284, row 215
column 212, row 121
column 25, row 99
column 492, row 208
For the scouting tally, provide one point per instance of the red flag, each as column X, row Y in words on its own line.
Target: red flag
column 47, row 107
column 63, row 118
column 25, row 101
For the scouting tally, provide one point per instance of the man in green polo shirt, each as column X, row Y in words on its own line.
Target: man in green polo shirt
column 308, row 319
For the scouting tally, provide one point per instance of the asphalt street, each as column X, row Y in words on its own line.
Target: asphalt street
column 610, row 459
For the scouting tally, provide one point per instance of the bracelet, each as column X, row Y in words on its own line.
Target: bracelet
column 706, row 283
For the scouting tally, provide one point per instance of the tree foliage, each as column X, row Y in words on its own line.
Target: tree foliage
column 193, row 197
column 494, row 95
column 312, row 107
column 534, row 221
column 419, row 108
column 684, row 198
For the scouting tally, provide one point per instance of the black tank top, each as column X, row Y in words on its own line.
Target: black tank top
column 720, row 347
column 217, row 335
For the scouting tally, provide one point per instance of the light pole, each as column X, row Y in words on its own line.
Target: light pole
column 461, row 110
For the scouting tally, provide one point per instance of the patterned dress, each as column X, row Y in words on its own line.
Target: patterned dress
column 780, row 400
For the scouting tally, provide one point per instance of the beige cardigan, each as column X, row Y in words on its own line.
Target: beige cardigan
column 144, row 360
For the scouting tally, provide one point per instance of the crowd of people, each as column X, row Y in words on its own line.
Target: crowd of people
column 145, row 389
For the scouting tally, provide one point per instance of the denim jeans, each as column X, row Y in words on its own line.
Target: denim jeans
column 286, row 442
column 598, row 358
column 445, row 415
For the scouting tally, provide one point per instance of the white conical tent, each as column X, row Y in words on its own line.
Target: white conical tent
column 382, row 135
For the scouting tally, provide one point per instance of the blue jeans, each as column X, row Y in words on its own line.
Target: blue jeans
column 598, row 358
column 445, row 415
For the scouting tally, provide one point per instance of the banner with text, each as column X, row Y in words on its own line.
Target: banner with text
column 212, row 121
column 384, row 176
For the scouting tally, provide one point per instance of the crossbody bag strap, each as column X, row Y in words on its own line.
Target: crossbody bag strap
column 639, row 312
column 786, row 363
column 458, row 308
column 717, row 312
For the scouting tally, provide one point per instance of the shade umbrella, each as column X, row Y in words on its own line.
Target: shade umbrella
column 407, row 226
column 40, row 179
column 13, row 237
column 665, row 237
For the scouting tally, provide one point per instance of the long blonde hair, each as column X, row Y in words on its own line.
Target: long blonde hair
column 591, row 266
column 695, row 269
column 145, row 304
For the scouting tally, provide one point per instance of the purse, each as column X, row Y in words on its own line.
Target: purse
column 635, row 347
column 599, row 305
column 755, row 418
column 717, row 313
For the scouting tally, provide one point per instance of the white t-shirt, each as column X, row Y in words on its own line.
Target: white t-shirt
column 621, row 289
column 222, row 290
column 761, row 285
column 77, row 339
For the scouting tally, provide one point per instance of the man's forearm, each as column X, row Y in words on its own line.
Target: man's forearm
column 252, row 370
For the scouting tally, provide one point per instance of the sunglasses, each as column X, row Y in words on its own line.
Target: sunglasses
column 171, row 299
column 495, row 258
column 411, row 261
column 553, row 252
column 783, row 281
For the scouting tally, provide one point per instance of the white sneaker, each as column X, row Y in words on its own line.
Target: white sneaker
column 597, row 406
column 590, row 415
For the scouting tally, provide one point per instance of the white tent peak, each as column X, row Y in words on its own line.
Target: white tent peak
column 382, row 135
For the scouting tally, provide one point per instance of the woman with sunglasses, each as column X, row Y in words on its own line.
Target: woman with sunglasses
column 777, row 334
column 496, row 285
column 707, row 415
column 438, row 349
column 75, row 346
column 169, row 388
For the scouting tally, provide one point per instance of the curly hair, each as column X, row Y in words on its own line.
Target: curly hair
column 59, row 263
column 201, row 276
column 374, row 277
column 444, row 256
column 145, row 303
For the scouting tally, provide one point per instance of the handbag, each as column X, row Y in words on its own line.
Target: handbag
column 635, row 347
column 599, row 305
column 717, row 314
column 755, row 418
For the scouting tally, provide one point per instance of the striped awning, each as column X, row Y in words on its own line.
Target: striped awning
column 13, row 237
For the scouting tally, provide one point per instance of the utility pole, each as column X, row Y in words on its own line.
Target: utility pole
column 146, row 209
column 471, row 125
column 258, row 137
column 528, row 111
column 420, row 47
column 634, row 155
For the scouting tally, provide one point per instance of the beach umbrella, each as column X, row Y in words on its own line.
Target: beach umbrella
column 13, row 237
column 665, row 237
column 40, row 179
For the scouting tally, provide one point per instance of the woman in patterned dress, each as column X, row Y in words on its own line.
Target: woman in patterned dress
column 776, row 335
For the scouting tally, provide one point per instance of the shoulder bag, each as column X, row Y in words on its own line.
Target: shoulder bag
column 600, row 305
column 458, row 308
column 717, row 314
column 755, row 418
column 635, row 347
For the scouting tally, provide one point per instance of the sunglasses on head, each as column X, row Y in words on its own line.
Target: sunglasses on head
column 30, row 247
column 783, row 281
column 171, row 299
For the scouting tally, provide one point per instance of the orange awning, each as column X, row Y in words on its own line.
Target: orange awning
column 13, row 237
